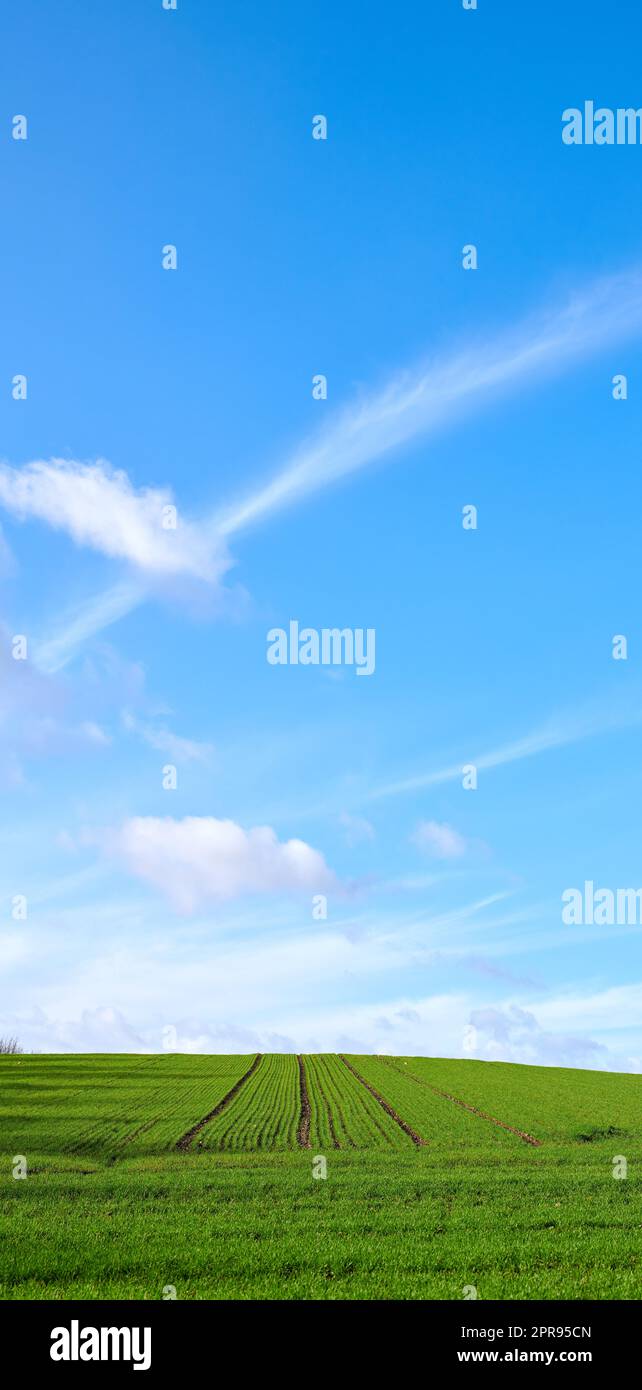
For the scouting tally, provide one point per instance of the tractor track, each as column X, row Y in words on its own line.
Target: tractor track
column 303, row 1132
column 184, row 1142
column 521, row 1133
column 501, row 1124
column 416, row 1138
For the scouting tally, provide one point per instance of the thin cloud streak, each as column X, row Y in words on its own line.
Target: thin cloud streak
column 98, row 613
column 411, row 405
column 420, row 401
column 560, row 734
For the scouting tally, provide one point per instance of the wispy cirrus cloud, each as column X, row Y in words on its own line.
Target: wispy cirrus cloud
column 164, row 740
column 96, row 614
column 559, row 732
column 439, row 840
column 99, row 507
column 357, row 830
column 36, row 719
column 430, row 396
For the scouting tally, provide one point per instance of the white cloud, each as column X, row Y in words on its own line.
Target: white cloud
column 179, row 749
column 618, row 1006
column 439, row 840
column 103, row 1029
column 430, row 396
column 321, row 988
column 98, row 507
column 13, row 950
column 94, row 615
column 36, row 718
column 94, row 732
column 512, row 1034
column 357, row 829
column 199, row 859
column 7, row 565
column 440, row 1025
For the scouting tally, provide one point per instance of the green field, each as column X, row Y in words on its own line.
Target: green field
column 202, row 1174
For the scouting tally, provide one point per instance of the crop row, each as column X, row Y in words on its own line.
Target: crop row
column 264, row 1113
column 435, row 1119
column 343, row 1112
column 98, row 1105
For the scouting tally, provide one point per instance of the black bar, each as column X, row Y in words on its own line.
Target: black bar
column 190, row 1338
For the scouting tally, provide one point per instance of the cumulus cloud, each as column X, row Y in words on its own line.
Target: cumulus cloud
column 103, row 1029
column 193, row 995
column 513, row 1034
column 439, row 840
column 97, row 506
column 200, row 859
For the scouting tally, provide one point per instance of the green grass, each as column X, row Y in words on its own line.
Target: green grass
column 549, row 1102
column 104, row 1104
column 244, row 1216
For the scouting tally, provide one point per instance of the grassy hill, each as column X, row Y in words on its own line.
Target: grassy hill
column 317, row 1177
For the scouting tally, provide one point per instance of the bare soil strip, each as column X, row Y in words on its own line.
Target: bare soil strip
column 521, row 1133
column 303, row 1132
column 416, row 1138
column 186, row 1140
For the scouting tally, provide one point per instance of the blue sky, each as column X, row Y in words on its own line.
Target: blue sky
column 193, row 387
